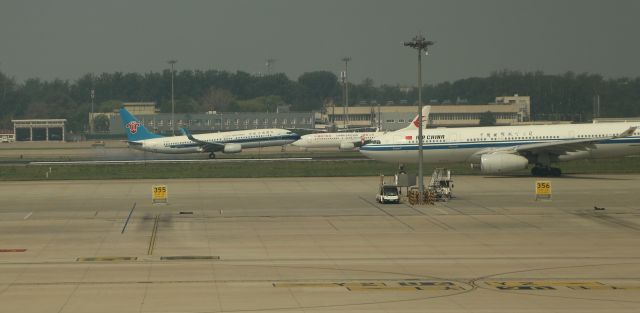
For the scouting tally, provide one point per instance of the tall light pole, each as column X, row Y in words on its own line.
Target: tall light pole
column 93, row 95
column 345, row 79
column 173, row 102
column 421, row 44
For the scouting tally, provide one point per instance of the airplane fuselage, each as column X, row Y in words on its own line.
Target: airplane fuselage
column 334, row 140
column 456, row 145
column 245, row 138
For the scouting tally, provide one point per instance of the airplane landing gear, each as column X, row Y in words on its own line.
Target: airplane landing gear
column 212, row 156
column 539, row 171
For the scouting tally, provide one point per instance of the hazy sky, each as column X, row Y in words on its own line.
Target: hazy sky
column 66, row 39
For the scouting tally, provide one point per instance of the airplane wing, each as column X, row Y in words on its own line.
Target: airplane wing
column 561, row 147
column 205, row 145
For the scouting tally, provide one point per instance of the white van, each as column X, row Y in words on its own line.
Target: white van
column 388, row 194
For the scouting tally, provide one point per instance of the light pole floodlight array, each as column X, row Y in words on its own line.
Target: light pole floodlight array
column 173, row 102
column 421, row 44
column 345, row 107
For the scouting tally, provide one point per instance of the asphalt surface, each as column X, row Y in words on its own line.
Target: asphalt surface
column 318, row 245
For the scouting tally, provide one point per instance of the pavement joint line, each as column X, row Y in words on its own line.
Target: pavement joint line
column 473, row 216
column 128, row 217
column 107, row 259
column 189, row 257
column 387, row 213
column 154, row 232
column 144, row 259
column 431, row 219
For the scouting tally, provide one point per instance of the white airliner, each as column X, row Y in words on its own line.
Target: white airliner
column 140, row 138
column 500, row 149
column 349, row 140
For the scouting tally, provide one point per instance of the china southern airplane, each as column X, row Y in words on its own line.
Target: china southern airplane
column 349, row 140
column 140, row 138
column 500, row 149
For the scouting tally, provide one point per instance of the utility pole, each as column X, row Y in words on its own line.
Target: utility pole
column 4, row 86
column 379, row 118
column 421, row 44
column 173, row 102
column 345, row 79
column 596, row 106
column 91, row 124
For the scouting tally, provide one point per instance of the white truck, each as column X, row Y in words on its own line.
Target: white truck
column 388, row 194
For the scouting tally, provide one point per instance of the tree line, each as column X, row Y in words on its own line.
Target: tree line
column 568, row 96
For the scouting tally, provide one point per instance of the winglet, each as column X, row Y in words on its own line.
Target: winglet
column 187, row 133
column 627, row 132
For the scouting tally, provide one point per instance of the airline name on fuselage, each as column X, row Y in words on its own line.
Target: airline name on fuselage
column 431, row 137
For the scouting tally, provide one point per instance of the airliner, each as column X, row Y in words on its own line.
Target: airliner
column 502, row 149
column 350, row 140
column 140, row 138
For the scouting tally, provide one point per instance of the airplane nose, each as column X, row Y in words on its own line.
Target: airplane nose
column 300, row 143
column 367, row 151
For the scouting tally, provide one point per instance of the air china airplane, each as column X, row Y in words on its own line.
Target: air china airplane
column 140, row 138
column 350, row 140
column 500, row 149
column 341, row 140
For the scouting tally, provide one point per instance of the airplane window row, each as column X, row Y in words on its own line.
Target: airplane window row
column 426, row 141
column 595, row 136
column 513, row 138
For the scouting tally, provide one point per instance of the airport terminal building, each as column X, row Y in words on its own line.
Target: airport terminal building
column 205, row 122
column 508, row 110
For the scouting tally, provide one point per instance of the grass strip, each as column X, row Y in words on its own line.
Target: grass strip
column 329, row 168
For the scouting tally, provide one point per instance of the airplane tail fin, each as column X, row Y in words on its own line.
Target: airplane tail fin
column 133, row 128
column 425, row 119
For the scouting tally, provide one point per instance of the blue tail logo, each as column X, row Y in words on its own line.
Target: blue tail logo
column 134, row 129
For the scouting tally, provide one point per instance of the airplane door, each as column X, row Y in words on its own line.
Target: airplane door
column 452, row 138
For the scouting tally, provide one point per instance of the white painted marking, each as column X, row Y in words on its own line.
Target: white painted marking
column 440, row 210
column 167, row 161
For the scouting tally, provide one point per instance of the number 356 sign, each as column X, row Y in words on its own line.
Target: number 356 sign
column 159, row 194
column 543, row 190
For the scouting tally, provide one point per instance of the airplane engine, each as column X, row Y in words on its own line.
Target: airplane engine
column 232, row 148
column 502, row 162
column 346, row 145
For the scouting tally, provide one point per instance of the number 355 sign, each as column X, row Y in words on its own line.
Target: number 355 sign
column 159, row 194
column 543, row 190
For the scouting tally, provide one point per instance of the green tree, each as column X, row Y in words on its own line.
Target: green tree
column 216, row 99
column 259, row 104
column 317, row 87
column 108, row 106
column 101, row 123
